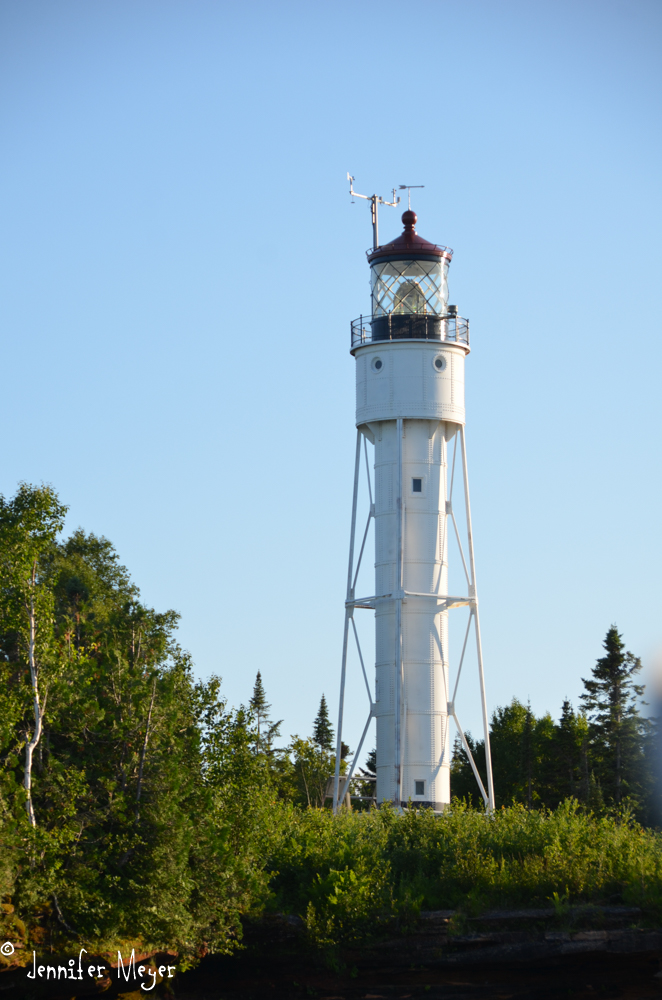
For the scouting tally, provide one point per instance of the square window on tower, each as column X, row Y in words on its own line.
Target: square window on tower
column 419, row 788
column 417, row 485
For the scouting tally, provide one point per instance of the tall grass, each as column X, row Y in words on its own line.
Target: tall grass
column 349, row 874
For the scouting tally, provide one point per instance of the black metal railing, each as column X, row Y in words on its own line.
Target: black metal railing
column 413, row 326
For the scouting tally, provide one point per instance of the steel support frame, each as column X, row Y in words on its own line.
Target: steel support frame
column 400, row 709
column 445, row 602
column 473, row 591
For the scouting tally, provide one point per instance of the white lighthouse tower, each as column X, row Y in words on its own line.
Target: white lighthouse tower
column 410, row 358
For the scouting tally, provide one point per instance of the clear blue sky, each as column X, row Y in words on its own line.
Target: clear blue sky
column 180, row 263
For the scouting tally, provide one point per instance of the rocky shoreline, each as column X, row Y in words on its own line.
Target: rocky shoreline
column 582, row 950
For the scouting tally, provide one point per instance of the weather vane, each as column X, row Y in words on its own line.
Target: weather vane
column 407, row 188
column 375, row 200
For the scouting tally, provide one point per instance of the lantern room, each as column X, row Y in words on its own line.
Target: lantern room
column 409, row 284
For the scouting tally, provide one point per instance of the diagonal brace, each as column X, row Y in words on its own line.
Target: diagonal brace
column 350, row 774
column 471, row 761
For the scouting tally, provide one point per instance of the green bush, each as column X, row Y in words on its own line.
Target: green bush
column 347, row 906
column 464, row 858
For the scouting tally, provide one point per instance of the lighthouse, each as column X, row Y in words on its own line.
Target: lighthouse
column 410, row 355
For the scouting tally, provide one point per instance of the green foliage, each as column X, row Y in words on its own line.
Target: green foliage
column 569, row 757
column 29, row 524
column 602, row 758
column 266, row 730
column 322, row 729
column 617, row 730
column 463, row 858
column 313, row 767
column 157, row 815
column 463, row 783
column 367, row 788
column 347, row 906
column 143, row 782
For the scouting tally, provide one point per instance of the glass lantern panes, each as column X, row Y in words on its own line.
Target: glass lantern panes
column 409, row 287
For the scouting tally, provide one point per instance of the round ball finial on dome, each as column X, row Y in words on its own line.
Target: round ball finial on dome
column 409, row 243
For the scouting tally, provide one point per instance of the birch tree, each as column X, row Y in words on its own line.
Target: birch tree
column 29, row 525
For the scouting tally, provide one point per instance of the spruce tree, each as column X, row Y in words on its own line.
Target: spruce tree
column 617, row 731
column 507, row 742
column 521, row 751
column 259, row 704
column 569, row 755
column 322, row 729
column 368, row 788
column 528, row 755
column 267, row 731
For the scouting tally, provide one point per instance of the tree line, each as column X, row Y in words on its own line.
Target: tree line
column 136, row 804
column 117, row 767
column 605, row 755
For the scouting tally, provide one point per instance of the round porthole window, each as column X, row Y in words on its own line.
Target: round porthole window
column 439, row 363
column 377, row 364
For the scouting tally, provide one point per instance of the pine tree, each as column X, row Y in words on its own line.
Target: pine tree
column 267, row 731
column 369, row 788
column 545, row 767
column 506, row 739
column 570, row 755
column 528, row 755
column 522, row 746
column 617, row 731
column 259, row 704
column 322, row 729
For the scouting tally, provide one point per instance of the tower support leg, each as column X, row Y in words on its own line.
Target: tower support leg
column 479, row 645
column 349, row 610
column 398, row 686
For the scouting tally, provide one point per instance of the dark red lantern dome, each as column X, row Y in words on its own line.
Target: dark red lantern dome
column 409, row 244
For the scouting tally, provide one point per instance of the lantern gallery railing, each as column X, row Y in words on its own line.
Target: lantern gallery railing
column 410, row 326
